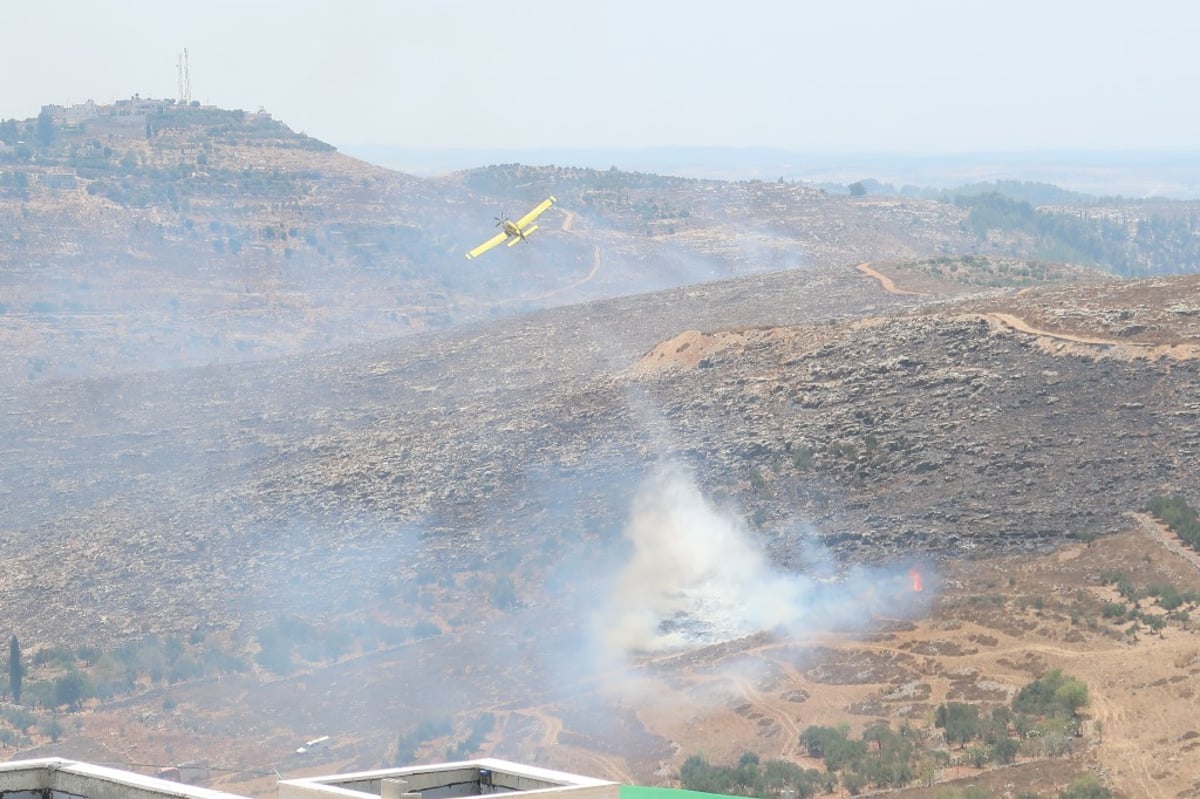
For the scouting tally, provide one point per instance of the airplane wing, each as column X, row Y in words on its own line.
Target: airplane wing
column 535, row 213
column 487, row 245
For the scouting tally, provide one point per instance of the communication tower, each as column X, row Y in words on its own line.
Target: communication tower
column 185, row 78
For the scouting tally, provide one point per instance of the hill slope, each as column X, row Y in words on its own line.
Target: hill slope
column 719, row 487
column 188, row 236
column 490, row 480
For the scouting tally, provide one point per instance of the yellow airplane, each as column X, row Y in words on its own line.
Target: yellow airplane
column 513, row 231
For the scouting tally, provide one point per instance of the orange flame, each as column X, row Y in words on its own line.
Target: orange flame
column 916, row 580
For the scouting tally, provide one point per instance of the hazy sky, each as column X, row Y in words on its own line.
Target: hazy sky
column 916, row 76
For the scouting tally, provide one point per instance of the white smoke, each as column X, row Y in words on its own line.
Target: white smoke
column 698, row 575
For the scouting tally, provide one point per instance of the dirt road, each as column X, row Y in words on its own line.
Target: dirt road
column 886, row 282
column 1112, row 347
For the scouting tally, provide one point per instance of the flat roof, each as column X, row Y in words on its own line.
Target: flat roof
column 71, row 778
column 462, row 778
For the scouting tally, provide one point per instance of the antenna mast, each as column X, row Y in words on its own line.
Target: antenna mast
column 185, row 78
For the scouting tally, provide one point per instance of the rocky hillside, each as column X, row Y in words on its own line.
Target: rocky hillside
column 887, row 419
column 248, row 552
column 262, row 424
column 190, row 236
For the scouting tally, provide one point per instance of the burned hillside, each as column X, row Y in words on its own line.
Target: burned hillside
column 883, row 421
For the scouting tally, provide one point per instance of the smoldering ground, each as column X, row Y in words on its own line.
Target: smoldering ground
column 677, row 573
column 697, row 575
column 614, row 580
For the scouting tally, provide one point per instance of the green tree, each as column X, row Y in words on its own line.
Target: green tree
column 51, row 728
column 978, row 756
column 854, row 782
column 959, row 720
column 45, row 127
column 1071, row 695
column 778, row 775
column 879, row 734
column 1086, row 787
column 16, row 670
column 1052, row 694
column 9, row 133
column 747, row 774
column 275, row 654
column 696, row 774
column 70, row 689
column 1004, row 751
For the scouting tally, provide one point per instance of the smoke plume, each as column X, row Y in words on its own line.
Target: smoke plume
column 697, row 574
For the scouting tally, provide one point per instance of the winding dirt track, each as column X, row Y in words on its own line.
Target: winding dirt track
column 568, row 224
column 1125, row 349
column 1116, row 347
column 1021, row 326
column 569, row 218
column 886, row 282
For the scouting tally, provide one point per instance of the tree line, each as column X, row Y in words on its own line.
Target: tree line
column 1041, row 721
column 1132, row 246
column 1180, row 517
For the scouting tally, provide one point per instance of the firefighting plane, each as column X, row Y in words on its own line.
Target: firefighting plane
column 513, row 231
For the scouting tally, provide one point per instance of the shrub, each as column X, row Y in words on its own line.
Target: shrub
column 802, row 458
column 1180, row 517
column 1113, row 610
